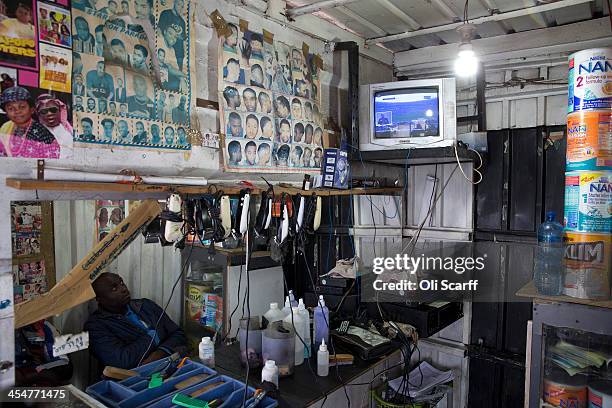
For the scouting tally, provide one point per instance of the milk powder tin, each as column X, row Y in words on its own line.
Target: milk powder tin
column 561, row 390
column 590, row 80
column 589, row 140
column 587, row 260
column 588, row 201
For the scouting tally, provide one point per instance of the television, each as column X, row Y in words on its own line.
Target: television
column 407, row 114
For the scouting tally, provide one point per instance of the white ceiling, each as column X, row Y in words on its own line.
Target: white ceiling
column 378, row 18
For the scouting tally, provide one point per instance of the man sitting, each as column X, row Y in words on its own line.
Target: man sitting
column 123, row 332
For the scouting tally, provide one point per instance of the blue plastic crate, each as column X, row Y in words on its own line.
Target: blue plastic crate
column 133, row 392
column 231, row 392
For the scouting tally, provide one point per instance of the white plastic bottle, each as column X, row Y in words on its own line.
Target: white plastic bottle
column 270, row 372
column 307, row 338
column 321, row 323
column 287, row 309
column 206, row 351
column 323, row 360
column 294, row 302
column 296, row 320
column 274, row 314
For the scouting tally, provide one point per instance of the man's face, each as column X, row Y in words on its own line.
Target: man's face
column 308, row 113
column 257, row 75
column 77, row 64
column 266, row 103
column 268, row 130
column 118, row 52
column 78, row 101
column 139, row 127
column 113, row 108
column 318, row 155
column 251, row 153
column 295, row 156
column 318, row 136
column 91, row 104
column 123, row 108
column 108, row 129
column 308, row 137
column 281, row 109
column 256, row 45
column 178, row 6
column 139, row 57
column 87, row 130
column 182, row 102
column 161, row 56
column 235, row 127
column 140, row 87
column 181, row 134
column 122, row 127
column 142, row 9
column 155, row 131
column 236, row 155
column 296, row 110
column 232, row 39
column 169, row 134
column 43, row 13
column 170, row 36
column 233, row 72
column 250, row 101
column 285, row 133
column 251, row 129
column 125, row 7
column 100, row 68
column 82, row 29
column 99, row 36
column 307, row 156
column 112, row 7
column 111, row 291
column 234, row 101
column 298, row 134
column 49, row 113
column 264, row 156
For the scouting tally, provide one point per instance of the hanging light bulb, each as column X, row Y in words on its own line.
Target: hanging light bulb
column 466, row 63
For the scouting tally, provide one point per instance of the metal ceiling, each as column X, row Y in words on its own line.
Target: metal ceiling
column 376, row 19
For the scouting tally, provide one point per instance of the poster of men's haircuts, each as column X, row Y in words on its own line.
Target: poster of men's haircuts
column 269, row 95
column 109, row 214
column 132, row 74
column 35, row 67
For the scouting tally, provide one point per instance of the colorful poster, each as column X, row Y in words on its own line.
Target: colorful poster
column 25, row 228
column 55, row 68
column 109, row 214
column 132, row 79
column 35, row 66
column 269, row 95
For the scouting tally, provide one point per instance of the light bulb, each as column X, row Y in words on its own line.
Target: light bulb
column 467, row 63
column 429, row 113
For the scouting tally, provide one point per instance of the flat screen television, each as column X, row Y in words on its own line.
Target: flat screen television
column 407, row 114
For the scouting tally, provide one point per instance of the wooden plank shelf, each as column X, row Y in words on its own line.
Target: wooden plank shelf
column 27, row 184
column 530, row 291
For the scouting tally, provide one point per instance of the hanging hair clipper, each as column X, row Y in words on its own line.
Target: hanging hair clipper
column 262, row 221
column 317, row 215
column 226, row 215
column 174, row 221
column 300, row 214
column 245, row 201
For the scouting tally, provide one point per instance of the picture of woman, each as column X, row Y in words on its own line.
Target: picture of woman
column 22, row 135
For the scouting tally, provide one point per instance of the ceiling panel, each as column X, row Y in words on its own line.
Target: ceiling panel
column 422, row 11
column 571, row 14
column 361, row 29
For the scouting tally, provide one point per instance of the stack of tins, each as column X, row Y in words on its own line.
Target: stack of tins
column 588, row 177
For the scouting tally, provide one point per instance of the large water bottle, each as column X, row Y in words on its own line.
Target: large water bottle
column 548, row 265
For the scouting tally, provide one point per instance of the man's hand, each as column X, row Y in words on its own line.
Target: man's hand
column 154, row 356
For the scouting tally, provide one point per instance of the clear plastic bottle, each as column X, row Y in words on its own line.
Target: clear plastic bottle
column 300, row 325
column 548, row 263
column 321, row 323
column 206, row 352
column 307, row 337
column 287, row 309
column 323, row 360
column 274, row 314
column 270, row 372
column 294, row 303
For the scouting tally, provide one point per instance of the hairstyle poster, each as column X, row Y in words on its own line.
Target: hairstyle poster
column 35, row 68
column 132, row 75
column 109, row 214
column 269, row 95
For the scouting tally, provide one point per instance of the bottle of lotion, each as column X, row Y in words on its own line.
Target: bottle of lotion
column 323, row 360
column 206, row 351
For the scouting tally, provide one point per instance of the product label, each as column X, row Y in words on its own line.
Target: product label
column 588, row 203
column 587, row 265
column 595, row 400
column 589, row 141
column 565, row 396
column 591, row 81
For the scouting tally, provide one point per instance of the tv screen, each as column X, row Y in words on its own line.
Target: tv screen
column 406, row 113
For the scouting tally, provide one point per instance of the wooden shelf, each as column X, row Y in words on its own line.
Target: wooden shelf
column 530, row 291
column 24, row 184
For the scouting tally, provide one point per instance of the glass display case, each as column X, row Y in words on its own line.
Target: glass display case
column 571, row 356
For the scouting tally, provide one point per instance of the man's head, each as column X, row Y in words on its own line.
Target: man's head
column 282, row 155
column 318, row 156
column 263, row 154
column 140, row 55
column 232, row 97
column 125, row 7
column 48, row 109
column 296, row 109
column 233, row 70
column 235, row 154
column 87, row 126
column 256, row 42
column 154, row 131
column 235, row 124
column 281, row 106
column 112, row 107
column 123, row 108
column 265, row 102
column 178, row 6
column 284, row 129
column 318, row 136
column 182, row 136
column 82, row 28
column 78, row 100
column 252, row 126
column 122, row 128
column 142, row 8
column 232, row 39
column 100, row 68
column 77, row 62
column 257, row 75
column 306, row 157
column 102, row 107
column 161, row 55
column 296, row 155
column 170, row 35
column 298, row 132
column 99, row 34
column 118, row 50
column 140, row 127
column 307, row 111
column 250, row 152
column 250, row 99
column 267, row 128
column 111, row 293
column 182, row 102
column 140, row 86
column 91, row 103
column 112, row 6
column 108, row 126
column 169, row 135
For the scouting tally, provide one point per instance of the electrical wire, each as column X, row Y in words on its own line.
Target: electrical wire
column 476, row 169
column 247, row 297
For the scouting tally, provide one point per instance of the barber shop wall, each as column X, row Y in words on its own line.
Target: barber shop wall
column 203, row 162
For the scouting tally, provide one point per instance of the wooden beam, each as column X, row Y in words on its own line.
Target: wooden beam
column 23, row 184
column 75, row 288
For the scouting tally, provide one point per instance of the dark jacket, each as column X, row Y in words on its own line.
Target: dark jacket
column 118, row 342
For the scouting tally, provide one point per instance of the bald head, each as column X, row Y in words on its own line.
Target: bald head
column 111, row 293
